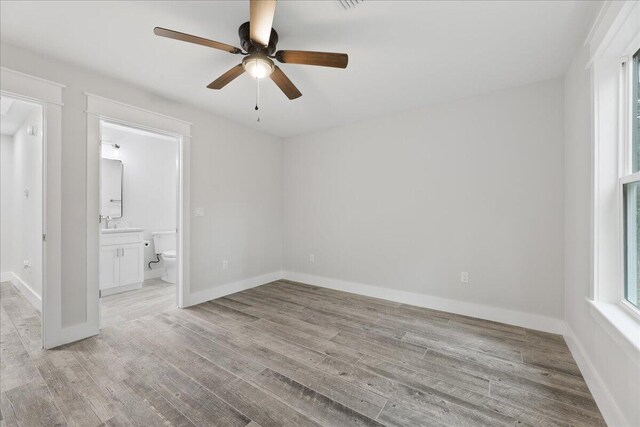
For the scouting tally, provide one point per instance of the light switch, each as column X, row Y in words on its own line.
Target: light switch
column 199, row 212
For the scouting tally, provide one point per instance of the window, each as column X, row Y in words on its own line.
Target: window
column 631, row 192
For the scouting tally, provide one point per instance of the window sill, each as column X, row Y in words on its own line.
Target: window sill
column 623, row 328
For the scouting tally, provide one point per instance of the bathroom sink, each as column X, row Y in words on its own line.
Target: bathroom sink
column 120, row 230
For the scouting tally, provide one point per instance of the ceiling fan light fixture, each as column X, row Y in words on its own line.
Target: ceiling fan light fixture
column 258, row 66
column 259, row 40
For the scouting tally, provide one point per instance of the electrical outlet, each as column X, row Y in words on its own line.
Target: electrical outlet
column 199, row 212
column 26, row 264
column 312, row 258
column 464, row 277
column 225, row 264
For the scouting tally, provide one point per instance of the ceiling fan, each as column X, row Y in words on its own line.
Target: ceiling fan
column 259, row 40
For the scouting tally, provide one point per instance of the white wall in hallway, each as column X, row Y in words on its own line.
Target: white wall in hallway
column 21, row 213
column 410, row 201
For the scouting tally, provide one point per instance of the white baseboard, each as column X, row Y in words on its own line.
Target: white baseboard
column 605, row 401
column 231, row 288
column 153, row 274
column 119, row 289
column 496, row 314
column 24, row 289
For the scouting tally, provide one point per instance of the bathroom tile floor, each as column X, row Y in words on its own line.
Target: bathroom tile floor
column 290, row 354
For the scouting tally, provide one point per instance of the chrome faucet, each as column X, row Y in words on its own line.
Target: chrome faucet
column 107, row 220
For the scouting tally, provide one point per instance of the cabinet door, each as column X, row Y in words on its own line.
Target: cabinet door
column 131, row 264
column 108, row 267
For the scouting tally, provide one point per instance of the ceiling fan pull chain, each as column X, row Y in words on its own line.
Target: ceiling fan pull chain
column 258, row 97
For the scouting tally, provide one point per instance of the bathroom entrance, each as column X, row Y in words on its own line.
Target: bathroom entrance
column 139, row 212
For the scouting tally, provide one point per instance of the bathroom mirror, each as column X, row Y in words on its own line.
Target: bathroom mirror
column 112, row 172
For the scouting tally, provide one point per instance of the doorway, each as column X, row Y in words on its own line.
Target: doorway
column 22, row 213
column 139, row 212
column 104, row 112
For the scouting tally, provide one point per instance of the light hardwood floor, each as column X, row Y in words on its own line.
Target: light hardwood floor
column 291, row 354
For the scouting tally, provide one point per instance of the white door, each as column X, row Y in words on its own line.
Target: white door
column 131, row 264
column 108, row 267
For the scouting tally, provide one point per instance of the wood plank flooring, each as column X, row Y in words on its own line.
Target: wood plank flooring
column 291, row 354
column 154, row 296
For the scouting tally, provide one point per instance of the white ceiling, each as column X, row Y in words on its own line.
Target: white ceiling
column 402, row 54
column 13, row 113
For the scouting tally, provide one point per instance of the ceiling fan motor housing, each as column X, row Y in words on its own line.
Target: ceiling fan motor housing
column 251, row 47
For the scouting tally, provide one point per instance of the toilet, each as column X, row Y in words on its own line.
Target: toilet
column 164, row 244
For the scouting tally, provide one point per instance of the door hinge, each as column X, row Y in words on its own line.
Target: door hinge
column 99, row 293
column 44, row 237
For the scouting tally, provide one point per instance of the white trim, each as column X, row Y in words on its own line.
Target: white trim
column 119, row 289
column 631, row 310
column 597, row 22
column 233, row 287
column 496, row 314
column 49, row 95
column 630, row 178
column 33, row 78
column 13, row 82
column 620, row 326
column 24, row 289
column 598, row 388
column 136, row 131
column 610, row 20
column 113, row 110
column 99, row 110
column 612, row 39
column 624, row 117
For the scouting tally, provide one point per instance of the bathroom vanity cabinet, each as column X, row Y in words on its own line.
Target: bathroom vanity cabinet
column 121, row 260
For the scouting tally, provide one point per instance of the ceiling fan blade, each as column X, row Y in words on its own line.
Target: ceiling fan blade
column 261, row 20
column 285, row 85
column 226, row 78
column 176, row 35
column 323, row 59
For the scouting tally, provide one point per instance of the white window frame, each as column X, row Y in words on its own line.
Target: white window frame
column 627, row 176
column 614, row 38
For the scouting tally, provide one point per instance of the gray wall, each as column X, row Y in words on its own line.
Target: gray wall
column 408, row 202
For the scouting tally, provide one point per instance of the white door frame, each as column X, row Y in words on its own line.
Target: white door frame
column 48, row 94
column 103, row 109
